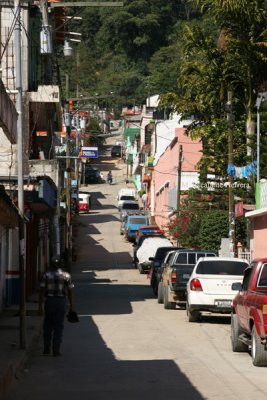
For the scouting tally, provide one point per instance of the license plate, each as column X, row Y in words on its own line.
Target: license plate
column 186, row 276
column 223, row 303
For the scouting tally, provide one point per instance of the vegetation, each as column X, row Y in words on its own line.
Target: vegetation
column 191, row 53
column 203, row 221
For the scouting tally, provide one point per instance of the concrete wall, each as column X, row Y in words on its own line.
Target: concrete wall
column 260, row 236
column 45, row 167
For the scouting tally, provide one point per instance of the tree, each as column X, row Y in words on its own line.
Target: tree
column 214, row 227
column 242, row 25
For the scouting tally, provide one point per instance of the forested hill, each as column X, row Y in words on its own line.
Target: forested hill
column 195, row 53
column 133, row 51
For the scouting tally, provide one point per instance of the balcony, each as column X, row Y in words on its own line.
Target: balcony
column 45, row 94
column 45, row 168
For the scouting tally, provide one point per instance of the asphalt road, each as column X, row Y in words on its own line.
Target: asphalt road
column 126, row 346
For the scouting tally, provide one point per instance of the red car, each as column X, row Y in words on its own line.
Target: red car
column 249, row 313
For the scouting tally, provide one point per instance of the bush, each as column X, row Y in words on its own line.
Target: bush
column 214, row 227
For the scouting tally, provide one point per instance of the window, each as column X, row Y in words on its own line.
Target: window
column 191, row 258
column 181, row 259
column 129, row 206
column 246, row 279
column 142, row 221
column 220, row 267
column 124, row 197
column 262, row 282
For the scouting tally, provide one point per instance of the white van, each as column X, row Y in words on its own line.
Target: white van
column 127, row 194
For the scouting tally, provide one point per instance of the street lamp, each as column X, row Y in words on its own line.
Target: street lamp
column 261, row 98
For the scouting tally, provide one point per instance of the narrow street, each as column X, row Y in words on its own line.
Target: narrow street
column 126, row 346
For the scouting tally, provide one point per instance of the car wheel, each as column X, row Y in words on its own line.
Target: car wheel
column 160, row 293
column 258, row 350
column 193, row 316
column 154, row 284
column 135, row 263
column 168, row 305
column 237, row 345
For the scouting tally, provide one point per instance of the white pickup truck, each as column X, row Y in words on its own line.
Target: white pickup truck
column 148, row 250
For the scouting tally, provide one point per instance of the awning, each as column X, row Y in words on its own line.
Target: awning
column 131, row 133
column 8, row 213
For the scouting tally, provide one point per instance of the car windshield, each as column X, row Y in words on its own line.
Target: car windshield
column 137, row 220
column 124, row 197
column 220, row 267
column 130, row 206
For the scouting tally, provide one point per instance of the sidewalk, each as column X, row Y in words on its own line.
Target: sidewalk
column 12, row 358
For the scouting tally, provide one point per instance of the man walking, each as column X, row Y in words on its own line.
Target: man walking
column 144, row 201
column 55, row 288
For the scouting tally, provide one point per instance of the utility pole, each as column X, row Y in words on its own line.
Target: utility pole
column 18, row 75
column 230, row 178
column 179, row 175
column 68, row 178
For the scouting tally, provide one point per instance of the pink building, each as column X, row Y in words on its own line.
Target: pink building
column 165, row 175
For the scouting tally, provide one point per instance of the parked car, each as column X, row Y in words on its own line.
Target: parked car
column 116, row 151
column 138, row 243
column 156, row 262
column 84, row 202
column 128, row 202
column 124, row 193
column 176, row 274
column 159, row 275
column 148, row 250
column 133, row 223
column 126, row 216
column 143, row 230
column 249, row 313
column 125, row 198
column 128, row 206
column 92, row 175
column 210, row 285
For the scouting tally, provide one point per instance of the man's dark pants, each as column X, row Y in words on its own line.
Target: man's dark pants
column 55, row 311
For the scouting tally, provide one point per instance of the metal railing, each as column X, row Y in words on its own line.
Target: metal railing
column 246, row 255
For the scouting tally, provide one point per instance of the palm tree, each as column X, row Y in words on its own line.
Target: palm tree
column 242, row 25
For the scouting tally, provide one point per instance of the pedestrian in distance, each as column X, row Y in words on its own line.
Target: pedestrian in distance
column 109, row 178
column 56, row 288
column 144, row 201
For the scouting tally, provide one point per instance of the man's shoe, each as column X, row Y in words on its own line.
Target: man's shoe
column 57, row 354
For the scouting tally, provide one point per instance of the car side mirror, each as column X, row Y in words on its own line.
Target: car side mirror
column 237, row 286
column 151, row 258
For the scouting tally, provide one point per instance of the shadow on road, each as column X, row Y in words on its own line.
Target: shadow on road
column 106, row 297
column 100, row 374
